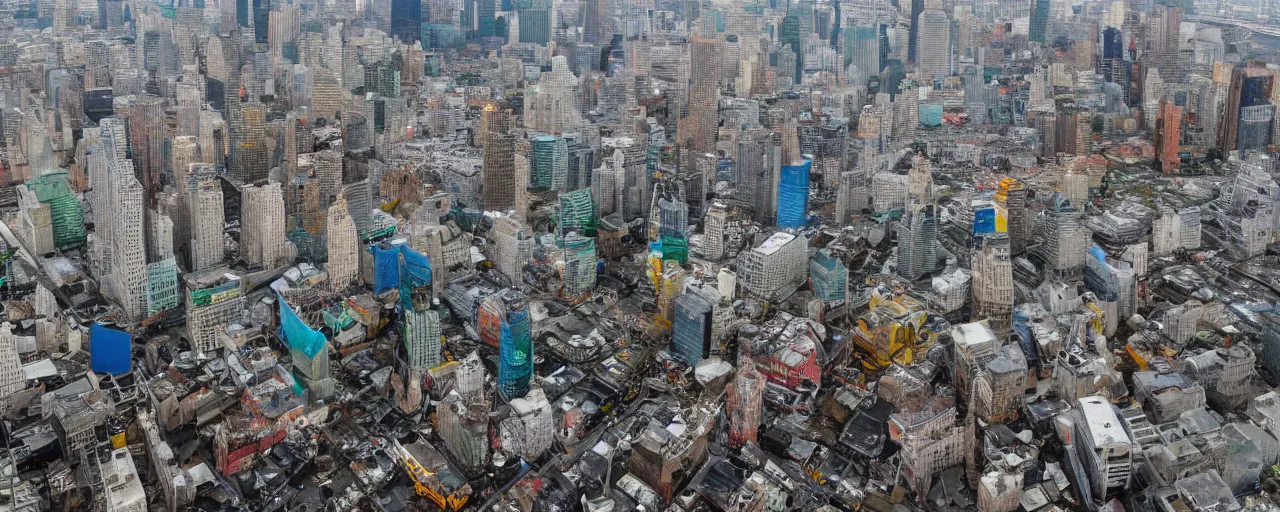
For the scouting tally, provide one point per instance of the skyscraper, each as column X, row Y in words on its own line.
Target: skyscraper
column 579, row 266
column 691, row 328
column 421, row 336
column 204, row 200
column 262, row 225
column 512, row 248
column 144, row 116
column 128, row 279
column 343, row 246
column 406, row 20
column 498, row 178
column 1167, row 136
column 1039, row 21
column 551, row 105
column 515, row 344
column 249, row 162
column 793, row 194
column 1243, row 125
column 917, row 241
column 993, row 283
column 550, row 169
column 746, row 394
column 933, row 57
column 705, row 72
column 593, row 18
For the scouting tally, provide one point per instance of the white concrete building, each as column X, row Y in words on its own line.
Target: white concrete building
column 343, row 246
column 204, row 200
column 776, row 267
column 262, row 226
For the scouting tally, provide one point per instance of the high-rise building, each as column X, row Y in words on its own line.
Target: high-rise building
column 1063, row 247
column 579, row 266
column 670, row 218
column 828, row 277
column 775, row 268
column 550, row 166
column 551, row 105
column 249, row 162
column 1039, row 21
column 204, row 200
column 163, row 292
column 499, row 184
column 691, row 327
column 1168, row 131
column 705, row 73
column 512, row 248
column 1247, row 113
column 746, row 394
column 515, row 344
column 477, row 18
column 713, row 231
column 862, row 53
column 11, row 378
column 594, row 28
column 906, row 115
column 144, row 116
column 215, row 300
column 577, row 213
column 421, row 336
column 464, row 426
column 1011, row 199
column 127, row 280
column 993, row 283
column 933, row 50
column 793, row 194
column 535, row 24
column 343, row 246
column 917, row 241
column 406, row 20
column 262, row 225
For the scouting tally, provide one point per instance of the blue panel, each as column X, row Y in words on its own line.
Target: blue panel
column 793, row 195
column 984, row 221
column 296, row 333
column 110, row 350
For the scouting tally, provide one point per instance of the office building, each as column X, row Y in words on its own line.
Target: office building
column 204, row 200
column 691, row 328
column 12, row 380
column 579, row 266
column 933, row 50
column 262, row 226
column 343, row 246
column 506, row 314
column 993, row 283
column 828, row 277
column 1102, row 445
column 918, row 242
column 214, row 300
column 793, row 194
column 775, row 268
column 551, row 105
column 550, row 163
column 746, row 394
column 500, row 183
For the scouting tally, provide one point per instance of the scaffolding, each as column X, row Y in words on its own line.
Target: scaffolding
column 577, row 213
column 65, row 210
